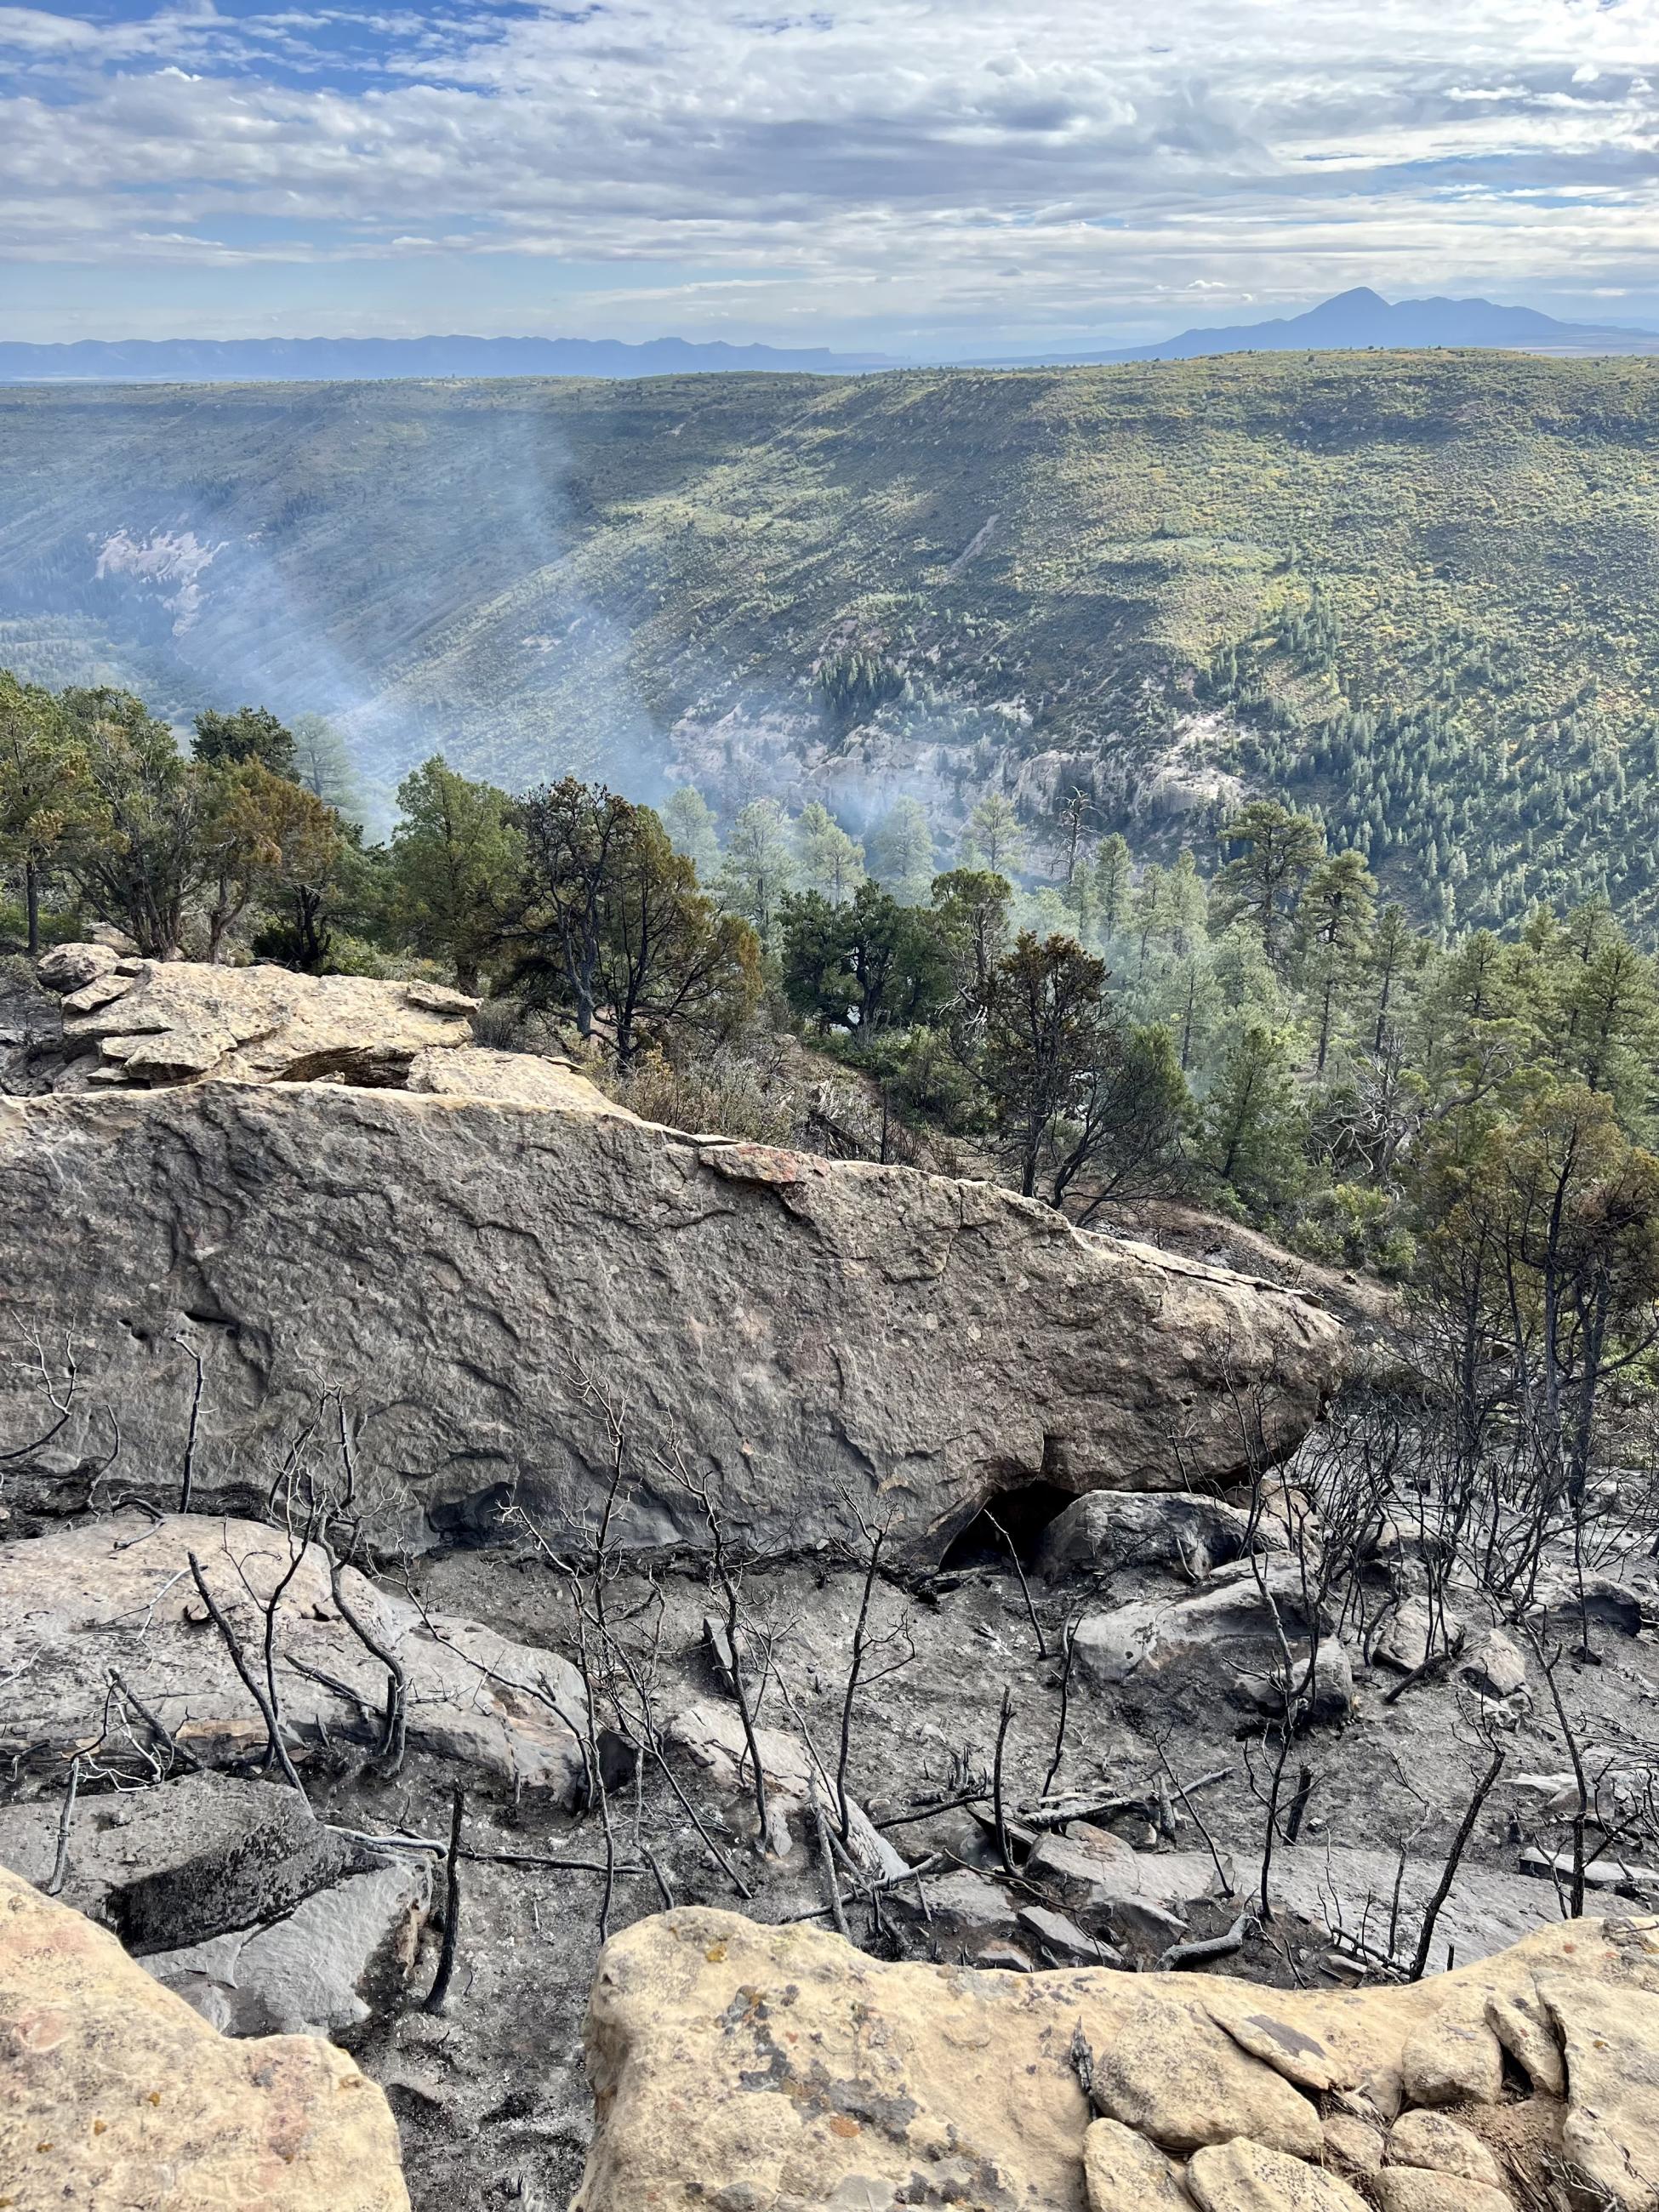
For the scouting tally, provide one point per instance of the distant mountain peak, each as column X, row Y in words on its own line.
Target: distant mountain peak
column 1362, row 317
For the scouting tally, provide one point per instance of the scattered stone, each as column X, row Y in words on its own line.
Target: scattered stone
column 1496, row 1666
column 339, row 1957
column 1354, row 2144
column 1454, row 2059
column 1431, row 2141
column 1407, row 2189
column 1245, row 2176
column 1517, row 2019
column 1064, row 1942
column 1610, row 2040
column 1123, row 2172
column 1413, row 1633
column 118, row 2094
column 1111, row 1529
column 72, row 967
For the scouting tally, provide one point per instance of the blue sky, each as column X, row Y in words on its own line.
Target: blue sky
column 893, row 174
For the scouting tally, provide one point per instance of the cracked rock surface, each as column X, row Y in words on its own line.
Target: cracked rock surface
column 813, row 1338
column 737, row 2064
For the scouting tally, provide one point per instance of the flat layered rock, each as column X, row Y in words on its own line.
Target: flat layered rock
column 118, row 2094
column 105, row 1643
column 806, row 1337
column 738, row 2064
column 149, row 1022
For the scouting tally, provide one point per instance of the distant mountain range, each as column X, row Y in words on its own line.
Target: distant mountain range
column 344, row 361
column 1362, row 317
column 1352, row 320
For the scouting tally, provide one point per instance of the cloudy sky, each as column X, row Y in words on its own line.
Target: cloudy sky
column 894, row 174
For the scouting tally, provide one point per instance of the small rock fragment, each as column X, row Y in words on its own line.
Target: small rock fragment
column 1123, row 2172
column 1354, row 2144
column 1408, row 2189
column 1431, row 2141
column 1454, row 2058
column 1521, row 2026
column 1245, row 2176
column 1065, row 1940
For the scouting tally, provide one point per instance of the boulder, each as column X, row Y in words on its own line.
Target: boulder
column 1063, row 1942
column 148, row 1022
column 1495, row 1665
column 118, row 2094
column 1111, row 1529
column 344, row 1954
column 1093, row 1871
column 1413, row 1633
column 1519, row 2021
column 961, row 1915
column 1245, row 2176
column 72, row 967
column 1454, row 2058
column 1223, row 1638
column 805, row 1337
column 116, row 1598
column 745, row 2065
column 1319, row 1681
column 1174, row 2074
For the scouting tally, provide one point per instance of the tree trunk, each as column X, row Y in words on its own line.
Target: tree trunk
column 32, row 901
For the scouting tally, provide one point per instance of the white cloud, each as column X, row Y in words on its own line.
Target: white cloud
column 790, row 162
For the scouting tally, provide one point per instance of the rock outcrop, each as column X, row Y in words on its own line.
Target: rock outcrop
column 733, row 2064
column 116, row 2093
column 469, row 1260
column 106, row 1645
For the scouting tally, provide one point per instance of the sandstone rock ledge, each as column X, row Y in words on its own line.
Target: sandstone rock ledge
column 741, row 2069
column 811, row 1337
column 115, row 2096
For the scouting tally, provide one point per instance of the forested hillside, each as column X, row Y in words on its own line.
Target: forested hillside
column 1412, row 592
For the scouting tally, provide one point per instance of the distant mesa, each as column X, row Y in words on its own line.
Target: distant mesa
column 1352, row 320
column 345, row 361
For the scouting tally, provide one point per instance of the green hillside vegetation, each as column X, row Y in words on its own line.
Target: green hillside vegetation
column 1472, row 1118
column 1410, row 594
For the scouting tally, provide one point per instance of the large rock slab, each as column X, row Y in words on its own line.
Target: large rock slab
column 116, row 2093
column 149, row 1022
column 805, row 1337
column 105, row 1644
column 741, row 2065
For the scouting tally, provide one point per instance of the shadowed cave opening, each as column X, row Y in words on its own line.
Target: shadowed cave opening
column 1024, row 1512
